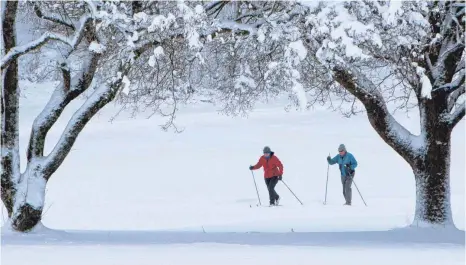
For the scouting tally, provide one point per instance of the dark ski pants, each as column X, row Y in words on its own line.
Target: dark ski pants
column 346, row 181
column 271, row 183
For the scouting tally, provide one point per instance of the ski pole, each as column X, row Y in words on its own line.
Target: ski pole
column 359, row 193
column 292, row 192
column 257, row 191
column 326, row 183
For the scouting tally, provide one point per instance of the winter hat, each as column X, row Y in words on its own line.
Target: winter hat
column 341, row 148
column 267, row 150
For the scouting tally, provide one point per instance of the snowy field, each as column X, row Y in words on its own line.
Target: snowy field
column 129, row 193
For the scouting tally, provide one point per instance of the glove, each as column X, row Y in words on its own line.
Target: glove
column 348, row 167
column 251, row 167
column 328, row 158
column 280, row 177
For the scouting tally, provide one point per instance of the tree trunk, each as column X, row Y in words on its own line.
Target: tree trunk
column 29, row 199
column 26, row 218
column 432, row 174
column 9, row 102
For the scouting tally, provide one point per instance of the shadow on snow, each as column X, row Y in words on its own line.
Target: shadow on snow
column 401, row 236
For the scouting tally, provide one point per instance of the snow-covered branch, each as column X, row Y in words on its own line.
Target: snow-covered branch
column 398, row 137
column 61, row 97
column 101, row 96
column 51, row 17
column 454, row 85
column 82, row 30
column 217, row 28
column 16, row 52
column 23, row 49
column 233, row 25
column 454, row 96
column 209, row 6
column 457, row 116
column 444, row 70
column 447, row 45
column 93, row 8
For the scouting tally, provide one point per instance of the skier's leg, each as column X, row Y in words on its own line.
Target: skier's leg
column 273, row 183
column 349, row 192
column 343, row 185
column 271, row 196
column 347, row 187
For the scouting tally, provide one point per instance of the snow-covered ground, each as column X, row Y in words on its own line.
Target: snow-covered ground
column 129, row 193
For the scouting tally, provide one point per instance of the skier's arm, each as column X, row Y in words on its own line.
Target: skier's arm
column 353, row 162
column 258, row 165
column 333, row 160
column 280, row 166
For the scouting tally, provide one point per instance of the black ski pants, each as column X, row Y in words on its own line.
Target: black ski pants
column 271, row 183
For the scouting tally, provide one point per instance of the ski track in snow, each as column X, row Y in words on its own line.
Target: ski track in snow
column 131, row 193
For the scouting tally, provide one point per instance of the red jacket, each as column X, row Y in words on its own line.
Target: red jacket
column 272, row 167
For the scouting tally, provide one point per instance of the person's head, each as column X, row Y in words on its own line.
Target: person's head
column 342, row 149
column 267, row 151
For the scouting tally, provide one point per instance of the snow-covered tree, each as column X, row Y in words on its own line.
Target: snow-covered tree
column 93, row 45
column 371, row 54
column 401, row 52
column 246, row 49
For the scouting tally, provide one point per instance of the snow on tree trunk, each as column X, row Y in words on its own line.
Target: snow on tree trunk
column 29, row 199
column 432, row 199
column 432, row 174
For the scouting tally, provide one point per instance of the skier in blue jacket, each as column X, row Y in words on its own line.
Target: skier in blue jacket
column 347, row 164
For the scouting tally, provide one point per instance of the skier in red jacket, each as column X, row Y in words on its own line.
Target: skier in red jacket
column 273, row 171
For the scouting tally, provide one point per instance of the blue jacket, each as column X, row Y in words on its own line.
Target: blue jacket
column 348, row 158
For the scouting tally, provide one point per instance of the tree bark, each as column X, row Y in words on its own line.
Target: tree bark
column 10, row 164
column 29, row 199
column 432, row 175
column 432, row 170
